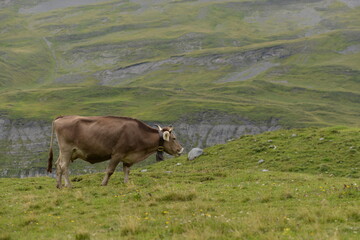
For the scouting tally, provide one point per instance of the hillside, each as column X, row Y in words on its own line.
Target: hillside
column 330, row 151
column 307, row 187
column 215, row 70
column 295, row 61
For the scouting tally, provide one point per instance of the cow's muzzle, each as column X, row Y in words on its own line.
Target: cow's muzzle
column 180, row 152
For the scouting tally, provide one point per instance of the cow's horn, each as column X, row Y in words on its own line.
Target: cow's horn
column 160, row 129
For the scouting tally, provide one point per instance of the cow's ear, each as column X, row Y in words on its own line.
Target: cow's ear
column 166, row 136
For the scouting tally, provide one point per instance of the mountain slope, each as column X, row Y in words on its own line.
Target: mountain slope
column 214, row 69
column 296, row 61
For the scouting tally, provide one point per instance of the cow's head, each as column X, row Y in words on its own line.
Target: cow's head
column 171, row 145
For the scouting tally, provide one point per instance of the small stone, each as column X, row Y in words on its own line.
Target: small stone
column 261, row 161
column 264, row 170
column 321, row 139
column 144, row 170
column 294, row 135
column 178, row 164
column 194, row 153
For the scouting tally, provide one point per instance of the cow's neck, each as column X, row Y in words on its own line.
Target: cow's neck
column 154, row 142
column 147, row 148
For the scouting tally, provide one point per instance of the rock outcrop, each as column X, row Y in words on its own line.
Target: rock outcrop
column 209, row 128
column 112, row 77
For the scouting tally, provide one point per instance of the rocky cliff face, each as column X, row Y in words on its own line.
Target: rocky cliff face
column 209, row 128
column 24, row 144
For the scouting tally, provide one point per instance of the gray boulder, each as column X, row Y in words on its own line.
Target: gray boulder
column 194, row 153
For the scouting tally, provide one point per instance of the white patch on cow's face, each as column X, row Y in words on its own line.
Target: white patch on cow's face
column 166, row 136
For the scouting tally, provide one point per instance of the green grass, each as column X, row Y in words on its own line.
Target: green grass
column 310, row 191
column 258, row 100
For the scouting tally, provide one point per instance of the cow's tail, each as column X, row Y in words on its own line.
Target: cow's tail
column 51, row 154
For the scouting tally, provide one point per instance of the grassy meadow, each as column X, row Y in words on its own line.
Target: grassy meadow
column 293, row 61
column 288, row 184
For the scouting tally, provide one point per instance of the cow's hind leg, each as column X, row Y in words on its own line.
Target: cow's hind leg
column 58, row 173
column 110, row 170
column 62, row 168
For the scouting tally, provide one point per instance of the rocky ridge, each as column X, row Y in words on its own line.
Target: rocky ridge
column 115, row 76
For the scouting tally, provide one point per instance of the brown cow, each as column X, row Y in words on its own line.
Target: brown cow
column 118, row 139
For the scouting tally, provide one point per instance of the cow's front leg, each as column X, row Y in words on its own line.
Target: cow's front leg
column 110, row 170
column 126, row 169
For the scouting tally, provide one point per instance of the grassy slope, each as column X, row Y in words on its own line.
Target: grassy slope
column 316, row 85
column 224, row 194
